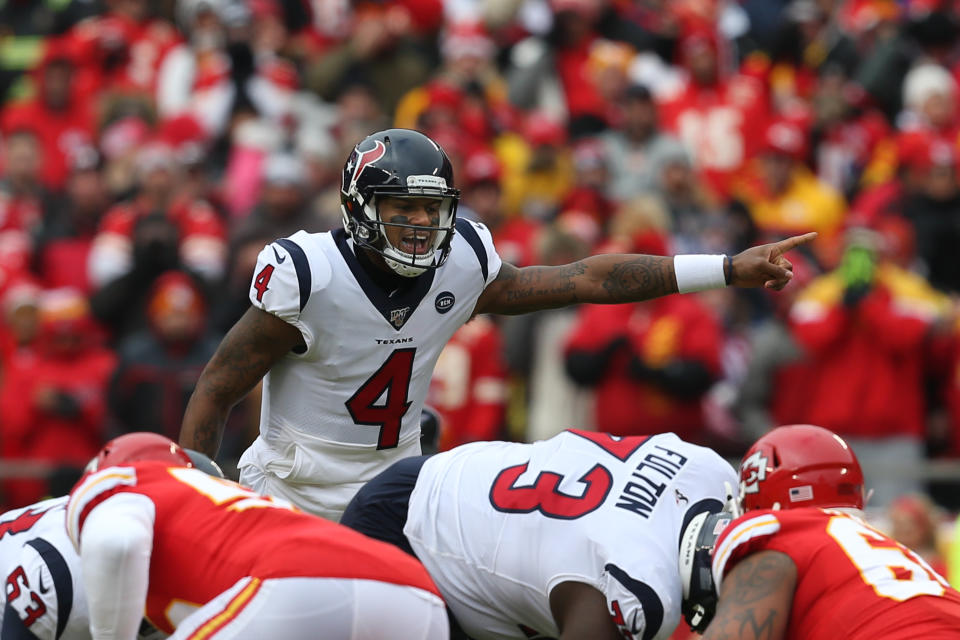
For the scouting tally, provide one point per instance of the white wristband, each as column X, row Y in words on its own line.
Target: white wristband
column 699, row 272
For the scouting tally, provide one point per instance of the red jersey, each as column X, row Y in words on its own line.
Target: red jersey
column 208, row 533
column 469, row 385
column 719, row 124
column 853, row 582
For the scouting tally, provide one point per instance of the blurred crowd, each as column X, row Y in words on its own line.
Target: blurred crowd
column 148, row 151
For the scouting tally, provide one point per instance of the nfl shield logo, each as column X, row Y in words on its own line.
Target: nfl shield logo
column 398, row 316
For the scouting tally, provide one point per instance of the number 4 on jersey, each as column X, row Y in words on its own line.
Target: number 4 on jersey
column 262, row 280
column 392, row 378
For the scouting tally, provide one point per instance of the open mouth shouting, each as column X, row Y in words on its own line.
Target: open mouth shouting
column 415, row 243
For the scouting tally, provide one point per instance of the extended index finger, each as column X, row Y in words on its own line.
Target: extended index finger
column 795, row 241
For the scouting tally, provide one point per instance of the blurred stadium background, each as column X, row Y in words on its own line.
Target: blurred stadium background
column 148, row 150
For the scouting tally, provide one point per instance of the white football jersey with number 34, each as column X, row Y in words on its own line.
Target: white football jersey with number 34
column 348, row 406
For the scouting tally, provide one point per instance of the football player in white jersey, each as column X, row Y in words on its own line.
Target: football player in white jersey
column 43, row 596
column 584, row 536
column 345, row 327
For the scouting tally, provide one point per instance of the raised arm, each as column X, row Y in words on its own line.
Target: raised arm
column 249, row 350
column 614, row 278
column 755, row 599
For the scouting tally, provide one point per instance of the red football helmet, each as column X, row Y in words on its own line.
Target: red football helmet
column 800, row 466
column 135, row 447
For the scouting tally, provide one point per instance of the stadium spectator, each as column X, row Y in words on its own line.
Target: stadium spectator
column 863, row 327
column 21, row 319
column 283, row 199
column 534, row 353
column 158, row 367
column 649, row 363
column 482, row 201
column 469, row 385
column 61, row 116
column 198, row 233
column 932, row 211
column 783, row 195
column 383, row 52
column 773, row 389
column 716, row 113
column 466, row 91
column 66, row 236
column 537, row 168
column 121, row 303
column 52, row 399
column 915, row 523
column 635, row 146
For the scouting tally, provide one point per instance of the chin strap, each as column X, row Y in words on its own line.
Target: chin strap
column 734, row 504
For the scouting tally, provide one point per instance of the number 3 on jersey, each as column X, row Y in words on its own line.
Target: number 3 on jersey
column 392, row 379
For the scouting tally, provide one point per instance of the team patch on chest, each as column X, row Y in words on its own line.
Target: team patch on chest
column 399, row 316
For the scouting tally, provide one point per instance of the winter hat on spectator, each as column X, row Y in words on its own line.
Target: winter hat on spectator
column 443, row 95
column 859, row 16
column 481, row 166
column 924, row 81
column 188, row 10
column 65, row 321
column 580, row 224
column 176, row 308
column 284, row 169
column 265, row 8
column 184, row 135
column 84, row 157
column 589, row 154
column 467, row 39
column 122, row 136
column 635, row 217
column 921, row 152
column 542, row 130
column 607, row 54
column 156, row 155
column 785, row 138
column 21, row 291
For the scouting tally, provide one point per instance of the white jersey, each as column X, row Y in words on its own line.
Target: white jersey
column 498, row 525
column 43, row 592
column 348, row 406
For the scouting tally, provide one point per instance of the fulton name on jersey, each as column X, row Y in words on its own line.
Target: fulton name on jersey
column 641, row 497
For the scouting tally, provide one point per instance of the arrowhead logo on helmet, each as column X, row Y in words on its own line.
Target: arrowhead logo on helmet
column 801, row 465
column 753, row 470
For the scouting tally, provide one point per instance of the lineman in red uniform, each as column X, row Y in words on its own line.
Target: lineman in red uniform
column 207, row 558
column 802, row 564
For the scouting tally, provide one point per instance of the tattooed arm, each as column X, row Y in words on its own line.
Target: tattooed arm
column 755, row 599
column 607, row 279
column 253, row 345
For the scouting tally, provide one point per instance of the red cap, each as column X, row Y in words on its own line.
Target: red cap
column 540, row 129
column 786, row 138
column 922, row 151
column 482, row 166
